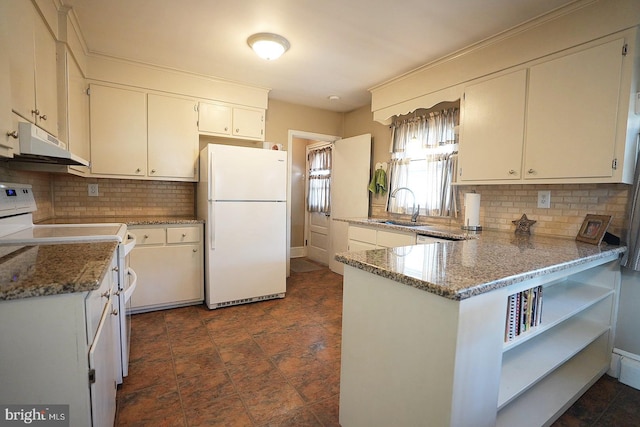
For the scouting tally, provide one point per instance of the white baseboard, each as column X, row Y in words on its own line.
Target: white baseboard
column 628, row 367
column 298, row 252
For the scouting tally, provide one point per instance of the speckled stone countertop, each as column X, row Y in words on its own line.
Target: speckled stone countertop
column 31, row 271
column 419, row 227
column 462, row 269
column 129, row 220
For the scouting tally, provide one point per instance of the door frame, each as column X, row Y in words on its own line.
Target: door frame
column 304, row 135
column 307, row 214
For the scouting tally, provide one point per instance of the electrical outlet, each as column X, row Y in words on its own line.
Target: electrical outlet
column 544, row 199
column 93, row 190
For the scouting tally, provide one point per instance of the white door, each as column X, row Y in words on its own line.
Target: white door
column 318, row 237
column 349, row 194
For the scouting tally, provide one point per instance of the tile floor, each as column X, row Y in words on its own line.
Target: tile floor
column 274, row 363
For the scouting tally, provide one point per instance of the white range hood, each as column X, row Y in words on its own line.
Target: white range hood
column 38, row 146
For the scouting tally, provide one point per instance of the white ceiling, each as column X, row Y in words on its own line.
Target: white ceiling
column 338, row 47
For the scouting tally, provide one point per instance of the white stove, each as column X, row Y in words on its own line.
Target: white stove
column 17, row 204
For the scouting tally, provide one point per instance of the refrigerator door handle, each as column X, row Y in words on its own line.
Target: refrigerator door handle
column 212, row 224
column 211, row 180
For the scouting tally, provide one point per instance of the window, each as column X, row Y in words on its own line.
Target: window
column 319, row 191
column 423, row 159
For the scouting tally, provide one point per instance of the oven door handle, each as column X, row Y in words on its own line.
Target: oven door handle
column 130, row 243
column 132, row 285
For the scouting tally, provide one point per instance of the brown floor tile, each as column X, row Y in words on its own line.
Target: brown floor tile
column 198, row 391
column 145, row 374
column 193, row 341
column 155, row 405
column 269, row 397
column 295, row 418
column 149, row 349
column 192, row 364
column 227, row 411
column 327, row 411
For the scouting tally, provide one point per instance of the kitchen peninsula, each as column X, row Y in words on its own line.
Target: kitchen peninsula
column 425, row 330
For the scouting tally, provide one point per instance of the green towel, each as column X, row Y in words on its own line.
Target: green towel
column 378, row 184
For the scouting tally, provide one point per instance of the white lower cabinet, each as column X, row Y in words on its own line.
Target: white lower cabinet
column 364, row 238
column 59, row 350
column 169, row 263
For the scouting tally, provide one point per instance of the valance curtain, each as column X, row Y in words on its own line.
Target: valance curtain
column 423, row 159
column 319, row 191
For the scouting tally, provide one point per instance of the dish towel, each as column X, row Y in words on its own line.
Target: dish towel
column 378, row 184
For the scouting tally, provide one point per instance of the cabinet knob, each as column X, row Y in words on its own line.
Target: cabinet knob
column 114, row 312
column 531, row 171
column 512, row 172
column 184, row 234
column 226, row 128
column 153, row 171
column 115, row 268
column 195, row 250
column 43, row 117
column 146, row 236
column 138, row 170
column 13, row 134
column 237, row 130
column 35, row 112
column 105, row 294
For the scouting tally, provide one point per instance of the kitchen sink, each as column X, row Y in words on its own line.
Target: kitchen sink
column 399, row 222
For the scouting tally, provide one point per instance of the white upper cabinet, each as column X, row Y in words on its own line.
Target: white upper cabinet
column 572, row 114
column 7, row 141
column 77, row 110
column 32, row 54
column 492, row 131
column 221, row 119
column 566, row 119
column 135, row 134
column 172, row 137
column 118, row 120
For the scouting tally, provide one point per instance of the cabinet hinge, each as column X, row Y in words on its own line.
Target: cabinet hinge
column 625, row 49
column 88, row 91
column 614, row 164
column 92, row 376
column 460, row 171
column 195, row 107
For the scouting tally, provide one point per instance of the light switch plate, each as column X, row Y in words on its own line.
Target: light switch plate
column 544, row 199
column 93, row 190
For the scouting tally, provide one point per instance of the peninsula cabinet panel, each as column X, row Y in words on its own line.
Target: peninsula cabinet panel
column 572, row 114
column 118, row 120
column 493, row 128
column 173, row 137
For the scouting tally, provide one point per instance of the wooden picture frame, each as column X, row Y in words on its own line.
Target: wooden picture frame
column 593, row 228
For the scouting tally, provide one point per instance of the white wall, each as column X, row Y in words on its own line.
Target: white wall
column 628, row 328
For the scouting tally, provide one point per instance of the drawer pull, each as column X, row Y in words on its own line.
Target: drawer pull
column 195, row 250
column 146, row 236
column 184, row 234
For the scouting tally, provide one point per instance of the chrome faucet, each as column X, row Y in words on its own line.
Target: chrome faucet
column 414, row 214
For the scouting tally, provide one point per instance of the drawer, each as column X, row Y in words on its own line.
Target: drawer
column 363, row 234
column 389, row 239
column 149, row 236
column 183, row 235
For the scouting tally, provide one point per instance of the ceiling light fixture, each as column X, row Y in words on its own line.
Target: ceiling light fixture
column 268, row 46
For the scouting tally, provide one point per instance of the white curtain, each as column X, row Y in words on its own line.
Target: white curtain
column 423, row 159
column 319, row 191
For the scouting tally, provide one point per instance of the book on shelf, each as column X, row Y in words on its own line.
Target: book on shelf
column 524, row 311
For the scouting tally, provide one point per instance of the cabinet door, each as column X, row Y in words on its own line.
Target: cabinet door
column 572, row 113
column 118, row 120
column 46, row 101
column 167, row 275
column 102, row 361
column 20, row 25
column 77, row 110
column 390, row 239
column 7, row 143
column 173, row 137
column 248, row 123
column 493, row 129
column 214, row 118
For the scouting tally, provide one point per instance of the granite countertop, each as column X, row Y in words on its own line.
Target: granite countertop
column 461, row 269
column 419, row 227
column 129, row 220
column 39, row 270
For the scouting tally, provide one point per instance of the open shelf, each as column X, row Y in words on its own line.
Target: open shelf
column 542, row 404
column 560, row 302
column 523, row 366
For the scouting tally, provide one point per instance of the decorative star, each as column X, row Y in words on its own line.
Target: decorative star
column 523, row 224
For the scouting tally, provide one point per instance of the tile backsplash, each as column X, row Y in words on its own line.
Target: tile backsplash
column 501, row 204
column 121, row 198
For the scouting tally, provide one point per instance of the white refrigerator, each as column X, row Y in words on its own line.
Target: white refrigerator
column 242, row 199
